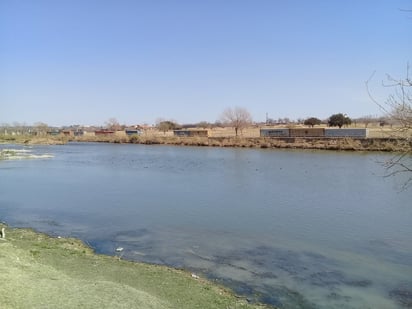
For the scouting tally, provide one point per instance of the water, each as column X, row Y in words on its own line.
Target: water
column 296, row 229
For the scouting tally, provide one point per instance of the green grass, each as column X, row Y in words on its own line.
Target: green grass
column 38, row 271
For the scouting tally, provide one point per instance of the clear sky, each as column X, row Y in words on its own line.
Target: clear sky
column 68, row 62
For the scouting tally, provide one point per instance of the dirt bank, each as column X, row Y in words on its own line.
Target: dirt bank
column 348, row 144
column 345, row 144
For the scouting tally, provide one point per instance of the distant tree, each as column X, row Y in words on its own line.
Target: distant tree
column 41, row 128
column 218, row 124
column 238, row 118
column 285, row 120
column 113, row 124
column 312, row 121
column 187, row 125
column 203, row 124
column 20, row 128
column 366, row 120
column 339, row 120
column 4, row 128
column 270, row 121
column 166, row 125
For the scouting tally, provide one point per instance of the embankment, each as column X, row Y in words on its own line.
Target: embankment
column 344, row 144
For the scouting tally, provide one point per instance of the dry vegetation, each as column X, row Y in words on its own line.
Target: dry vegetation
column 379, row 139
column 30, row 140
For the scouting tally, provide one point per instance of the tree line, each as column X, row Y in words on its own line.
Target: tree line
column 238, row 118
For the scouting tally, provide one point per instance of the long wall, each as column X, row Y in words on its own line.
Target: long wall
column 314, row 132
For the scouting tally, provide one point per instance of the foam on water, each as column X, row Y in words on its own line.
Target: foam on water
column 21, row 154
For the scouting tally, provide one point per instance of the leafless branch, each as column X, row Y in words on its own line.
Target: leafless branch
column 238, row 118
column 398, row 107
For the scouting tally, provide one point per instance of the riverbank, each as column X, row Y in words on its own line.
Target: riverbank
column 33, row 140
column 343, row 144
column 39, row 271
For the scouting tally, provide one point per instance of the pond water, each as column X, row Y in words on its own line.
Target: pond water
column 295, row 229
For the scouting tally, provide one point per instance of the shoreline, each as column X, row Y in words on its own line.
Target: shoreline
column 334, row 144
column 388, row 144
column 41, row 270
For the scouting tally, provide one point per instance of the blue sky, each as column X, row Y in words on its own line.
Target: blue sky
column 68, row 62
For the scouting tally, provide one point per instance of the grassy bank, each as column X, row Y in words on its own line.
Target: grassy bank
column 345, row 144
column 38, row 271
column 33, row 140
column 390, row 144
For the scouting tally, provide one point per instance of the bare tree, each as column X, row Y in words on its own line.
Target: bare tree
column 5, row 128
column 366, row 120
column 113, row 124
column 238, row 118
column 398, row 108
column 41, row 128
